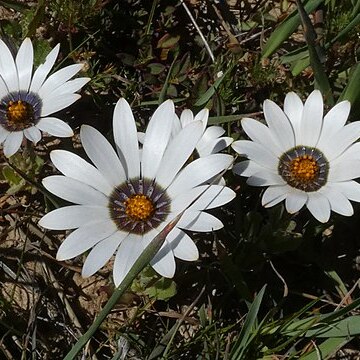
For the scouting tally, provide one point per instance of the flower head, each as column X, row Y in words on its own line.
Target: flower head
column 127, row 197
column 27, row 100
column 303, row 157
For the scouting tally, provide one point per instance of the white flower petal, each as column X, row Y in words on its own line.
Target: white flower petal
column 74, row 216
column 279, row 125
column 261, row 134
column 344, row 170
column 340, row 141
column 246, row 168
column 56, row 103
column 101, row 253
column 176, row 127
column 198, row 172
column 351, row 189
column 74, row 191
column 213, row 146
column 102, row 154
column 257, row 153
column 125, row 136
column 199, row 221
column 55, row 127
column 265, row 178
column 157, row 137
column 69, row 87
column 338, row 201
column 274, row 194
column 212, row 133
column 12, row 143
column 334, row 121
column 8, row 68
column 58, row 78
column 214, row 196
column 3, row 88
column 293, row 108
column 33, row 134
column 178, row 152
column 128, row 252
column 182, row 245
column 3, row 134
column 186, row 117
column 24, row 63
column 84, row 238
column 43, row 70
column 352, row 153
column 312, row 119
column 203, row 116
column 211, row 196
column 163, row 262
column 319, row 206
column 295, row 200
column 75, row 167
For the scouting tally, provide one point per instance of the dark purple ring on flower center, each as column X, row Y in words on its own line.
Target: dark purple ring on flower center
column 304, row 168
column 138, row 206
column 20, row 110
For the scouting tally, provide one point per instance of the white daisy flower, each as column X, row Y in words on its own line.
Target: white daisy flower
column 125, row 199
column 211, row 141
column 27, row 100
column 303, row 157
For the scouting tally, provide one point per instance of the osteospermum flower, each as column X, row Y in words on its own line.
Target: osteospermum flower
column 303, row 157
column 211, row 141
column 126, row 198
column 27, row 100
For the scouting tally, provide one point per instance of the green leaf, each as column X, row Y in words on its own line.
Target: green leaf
column 349, row 326
column 163, row 289
column 326, row 348
column 352, row 90
column 14, row 5
column 41, row 50
column 156, row 68
column 212, row 90
column 168, row 41
column 32, row 19
column 286, row 28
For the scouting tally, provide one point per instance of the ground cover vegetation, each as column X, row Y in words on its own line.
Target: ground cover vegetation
column 192, row 127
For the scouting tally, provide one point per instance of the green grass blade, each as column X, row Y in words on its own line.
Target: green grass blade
column 286, row 28
column 327, row 348
column 349, row 326
column 248, row 327
column 315, row 53
column 304, row 61
column 138, row 266
column 212, row 90
column 167, row 82
column 352, row 90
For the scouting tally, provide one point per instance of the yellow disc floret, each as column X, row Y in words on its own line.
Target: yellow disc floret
column 304, row 168
column 139, row 207
column 19, row 115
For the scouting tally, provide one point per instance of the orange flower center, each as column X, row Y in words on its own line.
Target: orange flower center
column 304, row 168
column 19, row 115
column 139, row 207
